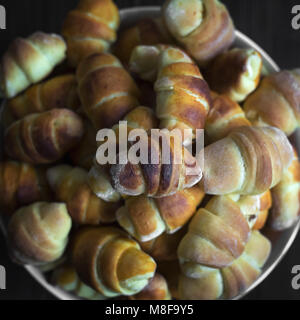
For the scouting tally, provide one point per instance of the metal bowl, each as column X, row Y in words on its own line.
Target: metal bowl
column 281, row 241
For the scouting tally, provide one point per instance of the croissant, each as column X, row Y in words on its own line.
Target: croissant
column 43, row 137
column 145, row 32
column 29, row 61
column 106, row 90
column 84, row 152
column 66, row 278
column 164, row 247
column 182, row 95
column 21, row 184
column 39, row 232
column 226, row 283
column 157, row 289
column 203, row 27
column 110, row 262
column 99, row 180
column 253, row 161
column 58, row 92
column 90, row 28
column 70, row 186
column 235, row 73
column 276, row 102
column 157, row 180
column 286, row 198
column 224, row 115
column 217, row 235
column 146, row 218
column 265, row 203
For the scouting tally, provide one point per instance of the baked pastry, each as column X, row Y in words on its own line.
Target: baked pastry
column 70, row 186
column 43, row 137
column 20, row 185
column 226, row 283
column 90, row 28
column 253, row 161
column 106, row 89
column 146, row 218
column 66, row 278
column 276, row 101
column 265, row 201
column 56, row 93
column 182, row 95
column 286, row 197
column 224, row 115
column 157, row 289
column 28, row 61
column 39, row 232
column 217, row 235
column 235, row 73
column 203, row 27
column 106, row 259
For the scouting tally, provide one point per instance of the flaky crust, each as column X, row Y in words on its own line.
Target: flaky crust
column 43, row 137
column 90, row 28
column 30, row 60
column 106, row 90
column 203, row 27
column 39, row 232
column 111, row 263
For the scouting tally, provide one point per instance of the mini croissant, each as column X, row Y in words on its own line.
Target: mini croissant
column 29, row 61
column 20, row 185
column 70, row 186
column 43, row 137
column 182, row 95
column 106, row 259
column 203, row 27
column 276, row 102
column 146, row 218
column 227, row 283
column 56, row 93
column 90, row 28
column 39, row 232
column 286, row 198
column 106, row 89
column 253, row 161
column 235, row 73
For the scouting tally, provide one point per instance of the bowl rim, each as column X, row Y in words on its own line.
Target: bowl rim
column 63, row 295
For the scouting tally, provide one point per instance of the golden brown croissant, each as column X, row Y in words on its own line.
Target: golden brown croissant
column 110, row 262
column 157, row 289
column 21, row 184
column 182, row 95
column 84, row 152
column 253, row 161
column 217, row 235
column 235, row 73
column 66, row 278
column 30, row 60
column 146, row 218
column 226, row 283
column 90, row 28
column 70, row 186
column 39, row 232
column 224, row 115
column 286, row 197
column 265, row 203
column 99, row 180
column 276, row 101
column 203, row 27
column 43, row 137
column 106, row 89
column 56, row 93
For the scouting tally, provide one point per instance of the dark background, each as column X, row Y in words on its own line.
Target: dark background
column 267, row 22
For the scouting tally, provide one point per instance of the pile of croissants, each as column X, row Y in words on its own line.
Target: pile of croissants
column 134, row 231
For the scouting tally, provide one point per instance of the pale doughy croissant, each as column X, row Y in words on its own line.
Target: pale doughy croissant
column 29, row 61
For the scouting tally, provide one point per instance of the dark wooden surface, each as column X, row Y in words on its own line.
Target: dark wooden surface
column 268, row 22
